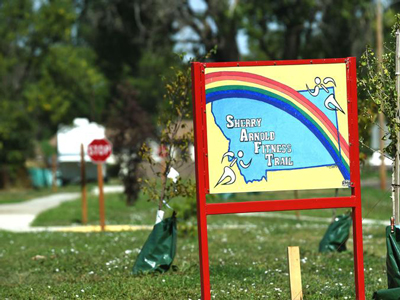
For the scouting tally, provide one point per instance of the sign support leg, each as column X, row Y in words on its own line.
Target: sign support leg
column 203, row 249
column 358, row 252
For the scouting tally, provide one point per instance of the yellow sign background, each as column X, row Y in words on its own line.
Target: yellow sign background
column 296, row 77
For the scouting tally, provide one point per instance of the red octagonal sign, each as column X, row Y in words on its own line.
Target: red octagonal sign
column 99, row 150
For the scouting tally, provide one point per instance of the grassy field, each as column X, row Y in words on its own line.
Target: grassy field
column 20, row 195
column 116, row 212
column 97, row 265
column 376, row 205
column 15, row 195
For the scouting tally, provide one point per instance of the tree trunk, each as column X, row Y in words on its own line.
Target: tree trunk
column 4, row 177
column 292, row 42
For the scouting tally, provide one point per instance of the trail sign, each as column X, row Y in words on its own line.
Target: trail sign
column 276, row 126
column 99, row 150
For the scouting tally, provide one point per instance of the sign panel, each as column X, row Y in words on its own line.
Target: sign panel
column 275, row 128
column 276, row 125
column 99, row 150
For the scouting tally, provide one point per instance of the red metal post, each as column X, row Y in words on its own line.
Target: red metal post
column 358, row 253
column 279, row 205
column 199, row 115
column 355, row 177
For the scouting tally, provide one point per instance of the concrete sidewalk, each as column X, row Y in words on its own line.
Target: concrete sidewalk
column 19, row 216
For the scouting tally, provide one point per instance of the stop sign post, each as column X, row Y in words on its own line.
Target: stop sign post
column 83, row 186
column 99, row 150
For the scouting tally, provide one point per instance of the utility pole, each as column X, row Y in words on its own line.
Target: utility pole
column 396, row 169
column 381, row 119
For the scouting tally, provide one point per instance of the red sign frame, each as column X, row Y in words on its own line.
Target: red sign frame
column 202, row 181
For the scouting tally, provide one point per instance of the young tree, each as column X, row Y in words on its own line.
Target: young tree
column 174, row 139
column 379, row 83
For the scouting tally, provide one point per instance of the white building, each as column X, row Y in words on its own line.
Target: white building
column 69, row 140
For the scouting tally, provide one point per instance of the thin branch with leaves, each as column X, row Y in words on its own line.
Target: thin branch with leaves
column 175, row 138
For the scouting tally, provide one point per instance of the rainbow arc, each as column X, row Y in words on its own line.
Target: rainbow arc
column 232, row 84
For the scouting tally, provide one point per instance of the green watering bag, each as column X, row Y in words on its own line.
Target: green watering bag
column 337, row 234
column 393, row 257
column 159, row 250
column 392, row 266
column 390, row 294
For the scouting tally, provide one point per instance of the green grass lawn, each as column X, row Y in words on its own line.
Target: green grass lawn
column 20, row 195
column 246, row 262
column 369, row 172
column 97, row 265
column 15, row 195
column 376, row 205
column 115, row 209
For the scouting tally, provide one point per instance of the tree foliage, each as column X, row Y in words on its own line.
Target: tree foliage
column 294, row 29
column 378, row 82
column 216, row 26
column 132, row 40
column 45, row 79
column 62, row 59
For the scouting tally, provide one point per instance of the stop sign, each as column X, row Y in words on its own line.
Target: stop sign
column 99, row 150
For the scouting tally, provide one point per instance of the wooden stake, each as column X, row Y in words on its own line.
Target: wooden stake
column 54, row 171
column 83, row 186
column 296, row 290
column 101, row 196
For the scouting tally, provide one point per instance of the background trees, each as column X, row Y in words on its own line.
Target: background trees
column 45, row 78
column 62, row 59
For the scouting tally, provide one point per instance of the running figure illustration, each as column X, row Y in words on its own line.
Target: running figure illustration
column 330, row 102
column 228, row 172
